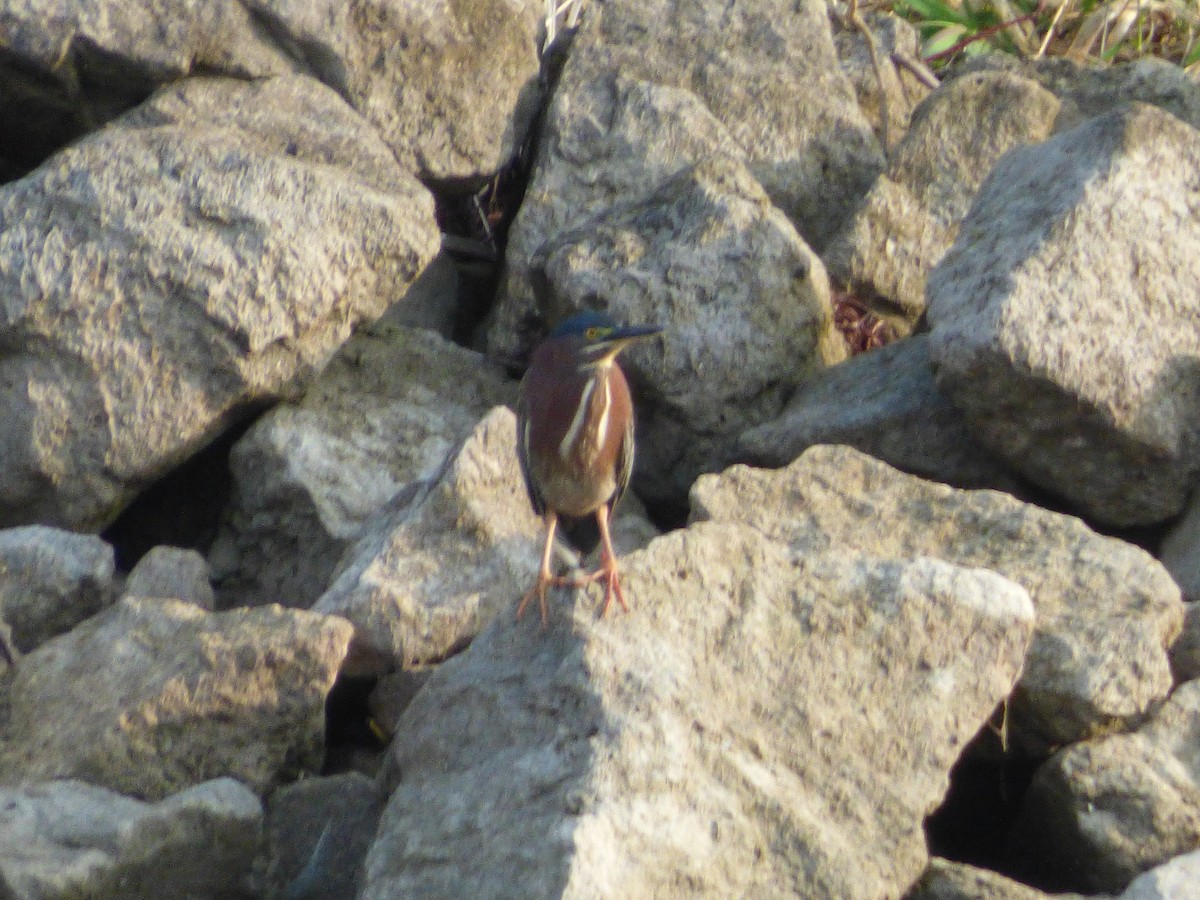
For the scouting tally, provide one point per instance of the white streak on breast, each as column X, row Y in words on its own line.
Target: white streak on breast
column 564, row 449
column 602, row 427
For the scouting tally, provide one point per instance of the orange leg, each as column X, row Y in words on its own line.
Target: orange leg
column 545, row 579
column 608, row 571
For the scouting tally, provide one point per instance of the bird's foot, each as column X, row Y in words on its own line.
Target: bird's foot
column 610, row 575
column 544, row 582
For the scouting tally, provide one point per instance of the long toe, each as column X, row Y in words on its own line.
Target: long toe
column 539, row 590
column 612, row 588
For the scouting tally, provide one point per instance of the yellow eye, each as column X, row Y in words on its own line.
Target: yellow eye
column 594, row 333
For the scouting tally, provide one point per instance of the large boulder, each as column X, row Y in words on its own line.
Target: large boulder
column 652, row 88
column 310, row 474
column 451, row 86
column 886, row 404
column 51, row 580
column 154, row 696
column 747, row 730
column 203, row 253
column 1106, row 610
column 1075, row 363
column 1103, row 811
column 911, row 215
column 71, row 839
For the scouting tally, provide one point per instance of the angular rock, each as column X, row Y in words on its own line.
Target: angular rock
column 310, row 474
column 745, row 302
column 1106, row 610
column 185, row 696
column 911, row 215
column 769, row 73
column 1185, row 652
column 757, row 81
column 946, row 880
column 70, row 67
column 1074, row 363
column 892, row 91
column 745, row 731
column 207, row 251
column 51, row 580
column 886, row 404
column 1180, row 550
column 318, row 833
column 71, row 839
column 1103, row 811
column 1087, row 90
column 172, row 572
column 427, row 576
column 1177, row 878
column 610, row 141
column 450, row 85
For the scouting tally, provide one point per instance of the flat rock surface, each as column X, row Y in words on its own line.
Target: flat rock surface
column 71, row 839
column 1074, row 363
column 186, row 696
column 208, row 250
column 1106, row 610
column 649, row 754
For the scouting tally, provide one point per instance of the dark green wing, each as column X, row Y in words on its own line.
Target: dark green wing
column 535, row 498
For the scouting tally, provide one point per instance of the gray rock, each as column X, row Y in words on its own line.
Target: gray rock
column 318, row 834
column 1176, row 879
column 746, row 731
column 1074, row 363
column 898, row 91
column 70, row 839
column 757, row 82
column 1185, row 652
column 911, row 215
column 745, row 302
column 185, row 696
column 207, row 251
column 426, row 577
column 1087, row 90
column 886, row 404
column 310, row 474
column 70, row 67
column 1103, row 811
column 608, row 141
column 769, row 72
column 1106, row 610
column 172, row 572
column 1180, row 550
column 51, row 580
column 450, row 86
column 946, row 880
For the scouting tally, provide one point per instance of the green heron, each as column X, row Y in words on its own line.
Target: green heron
column 575, row 439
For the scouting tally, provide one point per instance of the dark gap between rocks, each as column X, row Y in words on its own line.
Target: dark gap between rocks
column 181, row 509
column 351, row 743
column 975, row 821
